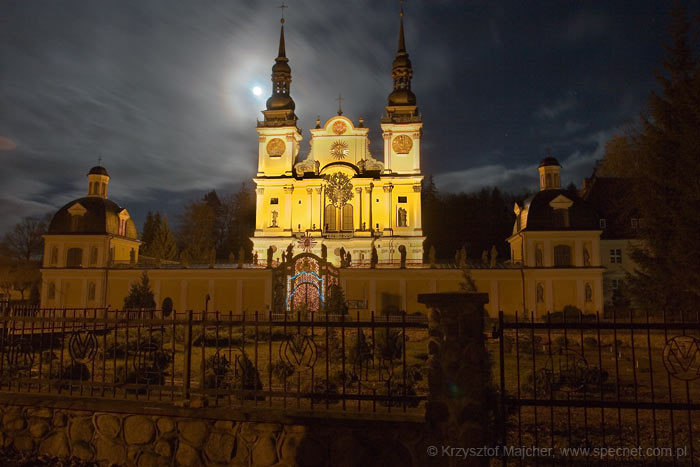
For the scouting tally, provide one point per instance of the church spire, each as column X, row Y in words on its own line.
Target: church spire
column 402, row 100
column 280, row 106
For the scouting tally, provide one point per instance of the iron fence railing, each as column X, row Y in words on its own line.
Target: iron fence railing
column 289, row 361
column 594, row 383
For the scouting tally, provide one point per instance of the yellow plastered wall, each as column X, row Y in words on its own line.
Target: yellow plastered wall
column 564, row 293
column 413, row 288
column 225, row 295
column 254, row 295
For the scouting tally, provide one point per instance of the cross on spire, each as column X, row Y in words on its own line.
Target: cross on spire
column 282, row 7
column 340, row 102
column 402, row 3
column 99, row 160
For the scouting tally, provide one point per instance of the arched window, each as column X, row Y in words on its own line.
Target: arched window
column 91, row 291
column 76, row 222
column 330, row 218
column 549, row 181
column 74, row 258
column 104, row 189
column 562, row 255
column 347, row 217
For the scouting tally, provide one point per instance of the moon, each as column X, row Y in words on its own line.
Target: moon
column 257, row 91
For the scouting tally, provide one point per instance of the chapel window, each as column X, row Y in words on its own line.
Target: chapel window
column 74, row 258
column 562, row 255
column 403, row 199
column 330, row 218
column 347, row 217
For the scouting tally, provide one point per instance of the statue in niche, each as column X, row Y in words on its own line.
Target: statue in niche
column 494, row 256
column 588, row 293
column 538, row 255
column 274, row 218
column 348, row 259
column 540, row 293
column 586, row 257
column 402, row 217
column 402, row 250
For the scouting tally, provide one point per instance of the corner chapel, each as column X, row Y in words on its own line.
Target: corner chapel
column 339, row 198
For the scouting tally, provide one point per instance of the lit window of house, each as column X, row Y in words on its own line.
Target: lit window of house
column 616, row 255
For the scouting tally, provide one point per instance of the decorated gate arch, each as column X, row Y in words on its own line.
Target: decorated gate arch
column 303, row 283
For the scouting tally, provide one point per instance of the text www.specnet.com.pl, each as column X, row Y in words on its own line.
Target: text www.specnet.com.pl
column 625, row 452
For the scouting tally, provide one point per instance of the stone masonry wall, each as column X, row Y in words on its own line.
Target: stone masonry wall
column 151, row 440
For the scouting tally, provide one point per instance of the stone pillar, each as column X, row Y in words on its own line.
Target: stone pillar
column 310, row 191
column 461, row 393
column 358, row 204
column 288, row 206
column 387, row 151
column 259, row 221
column 387, row 207
column 368, row 190
column 416, row 218
column 320, row 209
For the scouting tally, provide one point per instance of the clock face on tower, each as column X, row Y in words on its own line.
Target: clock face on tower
column 339, row 149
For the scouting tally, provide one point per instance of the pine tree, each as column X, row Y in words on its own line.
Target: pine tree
column 163, row 245
column 147, row 234
column 666, row 150
column 335, row 303
column 140, row 295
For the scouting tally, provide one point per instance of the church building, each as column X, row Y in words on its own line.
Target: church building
column 339, row 197
column 341, row 216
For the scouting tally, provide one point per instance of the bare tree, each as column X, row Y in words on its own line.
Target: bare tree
column 25, row 242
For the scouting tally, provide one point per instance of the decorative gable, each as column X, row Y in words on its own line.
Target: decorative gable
column 77, row 210
column 561, row 202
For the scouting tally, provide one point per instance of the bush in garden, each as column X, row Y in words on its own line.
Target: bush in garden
column 388, row 343
column 281, row 370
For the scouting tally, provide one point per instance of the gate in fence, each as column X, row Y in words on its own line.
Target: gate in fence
column 591, row 391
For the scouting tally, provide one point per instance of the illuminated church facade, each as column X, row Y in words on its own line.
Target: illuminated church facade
column 339, row 198
column 337, row 216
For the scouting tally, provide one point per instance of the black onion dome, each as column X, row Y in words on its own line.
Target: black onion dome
column 98, row 170
column 548, row 161
column 101, row 217
column 541, row 216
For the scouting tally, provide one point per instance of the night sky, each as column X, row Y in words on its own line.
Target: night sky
column 162, row 90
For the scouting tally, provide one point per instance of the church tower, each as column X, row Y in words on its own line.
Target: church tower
column 278, row 134
column 402, row 123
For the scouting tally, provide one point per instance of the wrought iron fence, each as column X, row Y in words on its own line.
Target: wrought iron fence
column 295, row 362
column 587, row 384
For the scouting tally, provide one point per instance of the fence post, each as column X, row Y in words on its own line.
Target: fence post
column 460, row 391
column 188, row 356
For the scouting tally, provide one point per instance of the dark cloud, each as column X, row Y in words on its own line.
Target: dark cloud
column 161, row 91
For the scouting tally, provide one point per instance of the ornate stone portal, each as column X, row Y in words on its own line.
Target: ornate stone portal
column 302, row 283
